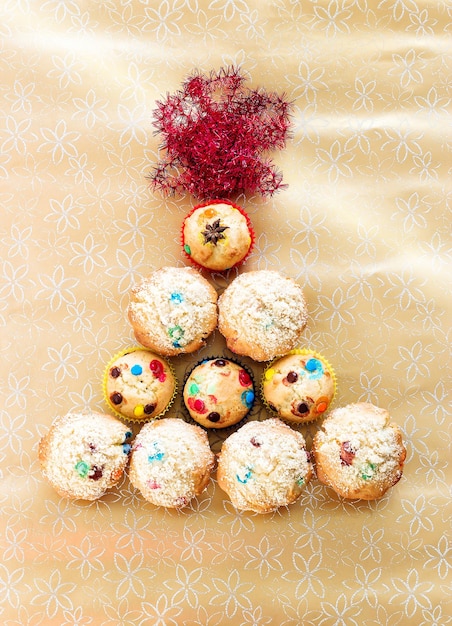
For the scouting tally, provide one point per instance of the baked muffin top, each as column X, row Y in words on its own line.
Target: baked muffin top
column 139, row 384
column 173, row 311
column 84, row 454
column 218, row 393
column 359, row 452
column 263, row 466
column 171, row 462
column 262, row 314
column 299, row 386
column 217, row 235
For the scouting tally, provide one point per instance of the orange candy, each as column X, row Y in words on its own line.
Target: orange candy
column 209, row 213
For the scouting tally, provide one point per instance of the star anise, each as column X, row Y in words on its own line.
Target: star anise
column 214, row 232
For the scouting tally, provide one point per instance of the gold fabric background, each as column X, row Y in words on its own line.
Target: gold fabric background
column 364, row 225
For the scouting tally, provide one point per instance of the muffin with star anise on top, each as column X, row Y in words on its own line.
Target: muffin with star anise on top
column 217, row 235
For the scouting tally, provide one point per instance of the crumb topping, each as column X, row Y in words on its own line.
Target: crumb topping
column 171, row 462
column 175, row 304
column 86, row 454
column 359, row 446
column 266, row 307
column 265, row 465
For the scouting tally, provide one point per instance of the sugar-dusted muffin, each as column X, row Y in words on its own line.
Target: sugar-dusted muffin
column 263, row 466
column 171, row 462
column 359, row 452
column 217, row 235
column 218, row 393
column 84, row 454
column 299, row 386
column 139, row 384
column 262, row 314
column 173, row 311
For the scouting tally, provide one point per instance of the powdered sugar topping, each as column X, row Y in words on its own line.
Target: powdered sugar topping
column 265, row 465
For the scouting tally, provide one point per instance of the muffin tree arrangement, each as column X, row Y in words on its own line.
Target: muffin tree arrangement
column 216, row 138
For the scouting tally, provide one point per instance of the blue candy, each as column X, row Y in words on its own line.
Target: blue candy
column 246, row 476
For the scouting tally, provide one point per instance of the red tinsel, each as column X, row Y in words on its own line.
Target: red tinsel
column 215, row 133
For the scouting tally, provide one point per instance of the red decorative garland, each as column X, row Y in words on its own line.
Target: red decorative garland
column 215, row 133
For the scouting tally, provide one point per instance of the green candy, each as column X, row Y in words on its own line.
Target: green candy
column 368, row 471
column 82, row 469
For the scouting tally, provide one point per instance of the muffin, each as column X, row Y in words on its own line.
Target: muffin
column 217, row 235
column 173, row 311
column 262, row 314
column 264, row 466
column 359, row 452
column 299, row 386
column 139, row 385
column 171, row 462
column 84, row 454
column 218, row 393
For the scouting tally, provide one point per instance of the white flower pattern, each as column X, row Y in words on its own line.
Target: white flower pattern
column 364, row 226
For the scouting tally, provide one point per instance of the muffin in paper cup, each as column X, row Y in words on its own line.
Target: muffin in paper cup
column 139, row 385
column 299, row 386
column 217, row 235
column 218, row 392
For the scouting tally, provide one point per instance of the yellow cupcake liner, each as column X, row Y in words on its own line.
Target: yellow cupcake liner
column 268, row 374
column 140, row 417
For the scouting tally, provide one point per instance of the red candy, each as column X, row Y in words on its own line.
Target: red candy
column 158, row 370
column 347, row 453
column 244, row 378
column 196, row 404
column 199, row 406
column 96, row 473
